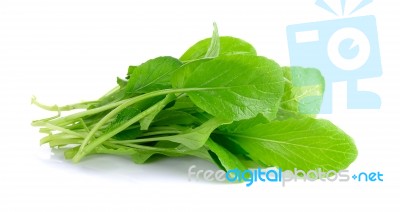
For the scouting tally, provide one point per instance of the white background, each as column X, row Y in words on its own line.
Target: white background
column 71, row 50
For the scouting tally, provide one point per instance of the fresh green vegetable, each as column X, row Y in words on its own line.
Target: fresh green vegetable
column 305, row 143
column 220, row 102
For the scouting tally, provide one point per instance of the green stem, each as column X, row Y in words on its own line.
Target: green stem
column 160, row 133
column 85, row 149
column 73, row 117
column 84, row 125
column 81, row 105
column 63, row 142
column 61, row 129
column 141, row 140
column 170, row 128
column 182, row 152
column 157, row 149
column 60, row 136
column 127, row 104
column 41, row 121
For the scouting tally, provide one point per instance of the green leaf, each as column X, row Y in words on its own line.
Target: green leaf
column 141, row 156
column 146, row 121
column 138, row 155
column 197, row 137
column 228, row 46
column 237, row 87
column 152, row 75
column 243, row 124
column 203, row 116
column 121, row 82
column 174, row 117
column 101, row 149
column 128, row 134
column 304, row 90
column 167, row 148
column 128, row 113
column 182, row 74
column 305, row 144
column 223, row 158
column 191, row 138
column 131, row 69
column 184, row 103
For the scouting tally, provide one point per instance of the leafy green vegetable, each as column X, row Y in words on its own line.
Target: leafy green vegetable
column 129, row 112
column 222, row 157
column 146, row 121
column 306, row 144
column 175, row 117
column 239, row 87
column 219, row 102
column 152, row 75
column 183, row 73
column 191, row 138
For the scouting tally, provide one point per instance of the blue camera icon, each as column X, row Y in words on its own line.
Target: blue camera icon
column 343, row 50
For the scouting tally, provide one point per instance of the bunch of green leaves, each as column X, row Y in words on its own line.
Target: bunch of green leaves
column 219, row 101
